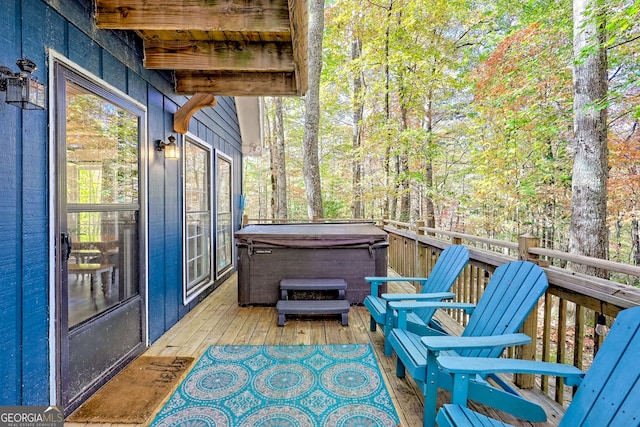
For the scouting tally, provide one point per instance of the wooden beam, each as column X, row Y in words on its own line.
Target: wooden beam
column 227, row 15
column 237, row 84
column 219, row 56
column 299, row 39
column 196, row 102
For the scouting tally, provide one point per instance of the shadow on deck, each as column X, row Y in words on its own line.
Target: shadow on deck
column 218, row 320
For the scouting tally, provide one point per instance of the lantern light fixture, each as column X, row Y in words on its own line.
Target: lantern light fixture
column 601, row 326
column 170, row 148
column 23, row 90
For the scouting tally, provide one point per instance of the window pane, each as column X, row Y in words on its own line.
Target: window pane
column 198, row 216
column 103, row 267
column 102, row 150
column 198, row 248
column 224, row 237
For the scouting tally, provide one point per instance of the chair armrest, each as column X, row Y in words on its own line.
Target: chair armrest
column 396, row 279
column 405, row 305
column 477, row 342
column 419, row 297
column 486, row 366
column 377, row 281
column 402, row 307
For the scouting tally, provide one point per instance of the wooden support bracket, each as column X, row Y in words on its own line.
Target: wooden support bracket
column 197, row 102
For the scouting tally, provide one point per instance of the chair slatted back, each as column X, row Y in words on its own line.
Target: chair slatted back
column 512, row 292
column 444, row 273
column 609, row 394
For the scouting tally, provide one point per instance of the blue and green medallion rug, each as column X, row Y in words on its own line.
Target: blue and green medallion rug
column 283, row 386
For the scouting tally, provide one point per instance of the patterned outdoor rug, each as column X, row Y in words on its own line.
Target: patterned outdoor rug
column 294, row 385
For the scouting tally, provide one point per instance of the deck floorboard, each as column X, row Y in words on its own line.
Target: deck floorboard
column 218, row 320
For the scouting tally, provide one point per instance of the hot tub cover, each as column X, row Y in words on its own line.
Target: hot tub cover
column 311, row 235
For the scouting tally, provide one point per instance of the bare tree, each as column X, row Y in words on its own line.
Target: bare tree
column 588, row 230
column 312, row 112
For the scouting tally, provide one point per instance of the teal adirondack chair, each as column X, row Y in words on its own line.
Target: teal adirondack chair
column 608, row 395
column 510, row 295
column 433, row 288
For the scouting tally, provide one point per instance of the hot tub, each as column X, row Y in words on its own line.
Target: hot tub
column 270, row 253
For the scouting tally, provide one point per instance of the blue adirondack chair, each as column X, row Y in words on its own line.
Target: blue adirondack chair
column 608, row 395
column 510, row 295
column 433, row 288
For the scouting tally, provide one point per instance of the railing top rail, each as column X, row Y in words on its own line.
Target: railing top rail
column 595, row 293
column 471, row 238
column 564, row 256
column 455, row 234
column 593, row 262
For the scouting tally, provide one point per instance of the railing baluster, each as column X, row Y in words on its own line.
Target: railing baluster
column 561, row 346
column 578, row 341
column 546, row 337
column 466, row 278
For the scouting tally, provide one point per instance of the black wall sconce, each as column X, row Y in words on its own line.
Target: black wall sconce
column 170, row 148
column 23, row 90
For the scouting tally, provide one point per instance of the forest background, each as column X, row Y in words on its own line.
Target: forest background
column 459, row 113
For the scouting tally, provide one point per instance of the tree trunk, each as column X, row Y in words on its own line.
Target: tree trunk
column 357, row 207
column 430, row 211
column 272, row 163
column 279, row 164
column 404, row 184
column 635, row 241
column 405, row 188
column 588, row 230
column 311, row 167
column 389, row 210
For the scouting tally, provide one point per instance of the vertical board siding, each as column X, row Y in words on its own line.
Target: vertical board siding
column 30, row 28
column 137, row 89
column 10, row 286
column 114, row 72
column 39, row 27
column 10, row 152
column 35, row 257
column 173, row 229
column 156, row 220
column 85, row 51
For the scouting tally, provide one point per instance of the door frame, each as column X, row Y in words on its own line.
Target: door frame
column 56, row 335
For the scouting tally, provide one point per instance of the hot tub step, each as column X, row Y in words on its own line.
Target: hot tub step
column 285, row 307
column 287, row 285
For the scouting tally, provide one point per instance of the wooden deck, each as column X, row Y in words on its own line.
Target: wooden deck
column 219, row 320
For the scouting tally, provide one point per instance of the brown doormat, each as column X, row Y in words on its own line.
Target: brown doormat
column 135, row 393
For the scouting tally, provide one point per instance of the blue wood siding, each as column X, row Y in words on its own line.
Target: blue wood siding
column 30, row 28
column 10, row 206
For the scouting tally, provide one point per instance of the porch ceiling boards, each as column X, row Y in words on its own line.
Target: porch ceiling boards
column 221, row 47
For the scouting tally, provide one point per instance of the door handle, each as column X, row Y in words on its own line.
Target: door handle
column 66, row 241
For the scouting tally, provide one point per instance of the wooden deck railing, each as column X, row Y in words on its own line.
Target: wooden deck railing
column 563, row 327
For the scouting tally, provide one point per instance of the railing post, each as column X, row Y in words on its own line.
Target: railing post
column 525, row 242
column 422, row 264
column 530, row 326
